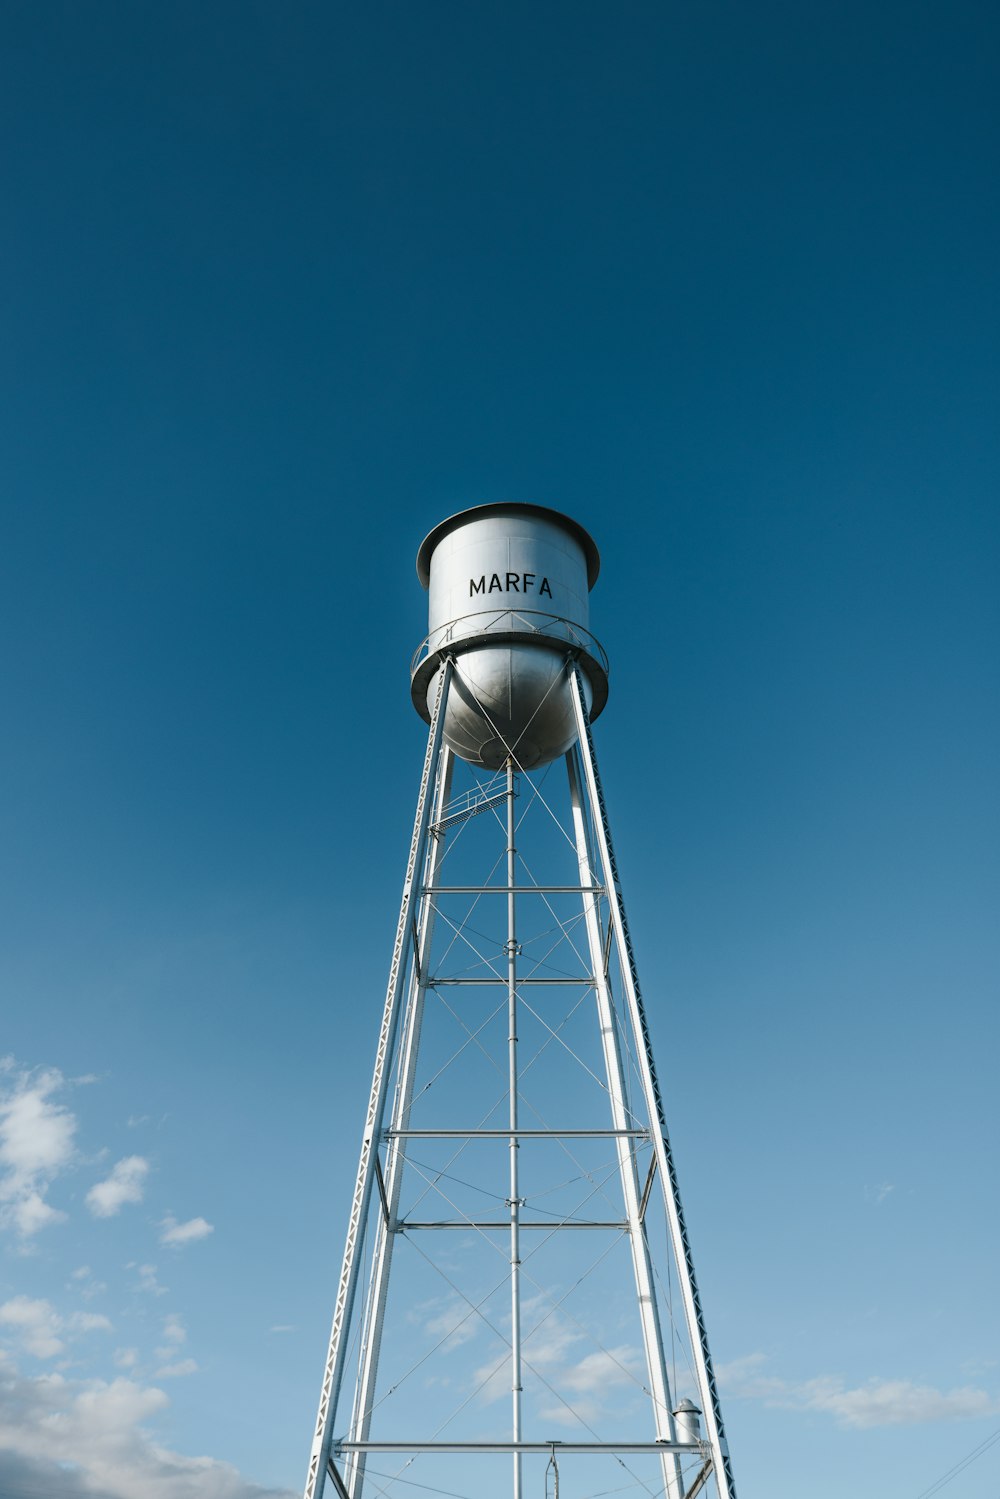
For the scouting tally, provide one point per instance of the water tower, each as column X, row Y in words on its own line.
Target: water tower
column 517, row 1302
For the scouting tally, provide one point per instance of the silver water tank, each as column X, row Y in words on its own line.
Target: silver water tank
column 509, row 593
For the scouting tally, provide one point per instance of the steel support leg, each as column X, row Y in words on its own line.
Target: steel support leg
column 513, row 1199
column 365, row 1180
column 385, row 1232
column 652, row 1333
column 654, row 1104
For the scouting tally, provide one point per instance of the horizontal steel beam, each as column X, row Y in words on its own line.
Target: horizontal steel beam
column 544, row 1449
column 405, row 1224
column 512, row 890
column 439, row 983
column 522, row 1134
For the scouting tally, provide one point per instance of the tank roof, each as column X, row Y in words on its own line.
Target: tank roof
column 508, row 507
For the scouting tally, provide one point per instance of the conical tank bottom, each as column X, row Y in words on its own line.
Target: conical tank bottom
column 509, row 701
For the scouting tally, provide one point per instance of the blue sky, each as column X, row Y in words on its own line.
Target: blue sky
column 282, row 287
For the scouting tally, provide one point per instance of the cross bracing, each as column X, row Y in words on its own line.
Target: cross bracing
column 515, row 1094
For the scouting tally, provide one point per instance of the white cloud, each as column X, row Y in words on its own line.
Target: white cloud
column 173, row 1329
column 746, row 1377
column 41, row 1330
column 177, row 1370
column 450, row 1320
column 599, row 1372
column 879, row 1193
column 147, row 1279
column 36, row 1323
column 36, row 1145
column 174, row 1334
column 493, row 1377
column 552, row 1339
column 89, row 1322
column 551, row 1351
column 125, row 1184
column 895, row 1402
column 85, row 1283
column 179, row 1234
column 587, row 1385
column 877, row 1402
column 31, row 1213
column 88, row 1439
column 126, row 1358
column 281, row 1327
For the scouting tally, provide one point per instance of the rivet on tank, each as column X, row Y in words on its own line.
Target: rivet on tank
column 509, row 600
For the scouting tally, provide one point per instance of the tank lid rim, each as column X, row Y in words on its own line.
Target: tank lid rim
column 508, row 507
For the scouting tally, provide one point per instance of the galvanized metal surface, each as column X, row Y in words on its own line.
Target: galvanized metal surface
column 569, row 688
column 642, row 1268
column 385, row 1232
column 508, row 595
column 558, row 517
column 366, row 1177
column 542, row 1448
column 661, row 1140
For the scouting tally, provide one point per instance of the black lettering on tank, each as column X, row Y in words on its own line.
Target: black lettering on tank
column 527, row 581
column 512, row 582
column 495, row 585
column 475, row 587
column 545, row 587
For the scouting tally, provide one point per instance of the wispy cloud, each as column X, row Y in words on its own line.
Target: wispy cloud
column 86, row 1284
column 492, row 1378
column 587, row 1385
column 552, row 1340
column 747, row 1377
column 36, row 1145
column 599, row 1372
column 553, row 1351
column 125, row 1184
column 896, row 1402
column 876, row 1402
column 177, row 1370
column 41, row 1330
column 449, row 1319
column 178, row 1234
column 174, row 1330
column 879, row 1193
column 174, row 1335
column 147, row 1279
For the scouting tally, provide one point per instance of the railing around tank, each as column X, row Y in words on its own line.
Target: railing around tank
column 471, row 628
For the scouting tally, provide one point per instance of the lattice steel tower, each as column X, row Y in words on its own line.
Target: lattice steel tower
column 517, row 1302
